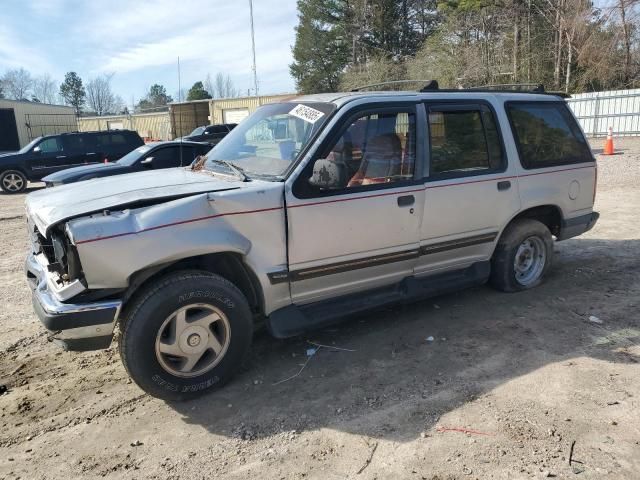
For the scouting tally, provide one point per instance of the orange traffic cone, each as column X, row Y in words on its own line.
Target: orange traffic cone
column 608, row 145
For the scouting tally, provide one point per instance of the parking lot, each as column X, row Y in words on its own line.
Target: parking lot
column 542, row 383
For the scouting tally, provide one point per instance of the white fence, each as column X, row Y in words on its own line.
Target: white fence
column 597, row 111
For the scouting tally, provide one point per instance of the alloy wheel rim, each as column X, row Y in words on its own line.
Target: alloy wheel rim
column 12, row 182
column 193, row 340
column 529, row 261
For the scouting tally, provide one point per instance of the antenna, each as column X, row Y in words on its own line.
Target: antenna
column 180, row 102
column 253, row 49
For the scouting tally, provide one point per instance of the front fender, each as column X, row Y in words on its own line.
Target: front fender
column 114, row 245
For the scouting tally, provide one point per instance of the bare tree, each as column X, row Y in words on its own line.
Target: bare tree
column 209, row 86
column 45, row 89
column 100, row 98
column 17, row 84
column 224, row 87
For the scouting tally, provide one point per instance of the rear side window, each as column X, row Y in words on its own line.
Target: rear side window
column 107, row 139
column 463, row 141
column 547, row 134
column 118, row 139
column 79, row 143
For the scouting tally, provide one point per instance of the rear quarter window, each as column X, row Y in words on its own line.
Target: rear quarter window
column 547, row 135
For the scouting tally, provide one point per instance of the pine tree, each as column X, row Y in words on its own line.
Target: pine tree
column 197, row 92
column 73, row 91
column 322, row 49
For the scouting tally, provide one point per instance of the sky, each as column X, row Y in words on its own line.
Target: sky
column 140, row 41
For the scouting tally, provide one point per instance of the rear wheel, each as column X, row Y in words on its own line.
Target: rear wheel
column 186, row 334
column 13, row 181
column 522, row 257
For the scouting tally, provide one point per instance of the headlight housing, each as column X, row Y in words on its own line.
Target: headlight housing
column 65, row 261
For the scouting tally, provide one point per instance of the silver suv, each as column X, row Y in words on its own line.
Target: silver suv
column 308, row 211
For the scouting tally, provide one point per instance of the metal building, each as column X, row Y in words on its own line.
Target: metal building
column 150, row 126
column 187, row 116
column 22, row 121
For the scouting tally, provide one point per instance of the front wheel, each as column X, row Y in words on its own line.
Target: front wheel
column 522, row 257
column 13, row 181
column 186, row 334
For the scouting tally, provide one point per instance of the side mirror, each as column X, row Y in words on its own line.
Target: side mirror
column 328, row 175
column 147, row 162
column 37, row 149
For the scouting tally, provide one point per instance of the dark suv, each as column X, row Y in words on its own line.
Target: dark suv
column 50, row 154
column 211, row 134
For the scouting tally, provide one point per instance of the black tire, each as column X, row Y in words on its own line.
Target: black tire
column 503, row 272
column 10, row 177
column 150, row 310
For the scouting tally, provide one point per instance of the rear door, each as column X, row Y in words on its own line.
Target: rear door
column 80, row 149
column 471, row 189
column 114, row 145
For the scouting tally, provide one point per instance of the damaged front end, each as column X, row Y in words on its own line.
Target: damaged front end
column 55, row 276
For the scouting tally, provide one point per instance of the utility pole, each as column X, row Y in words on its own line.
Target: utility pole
column 253, row 50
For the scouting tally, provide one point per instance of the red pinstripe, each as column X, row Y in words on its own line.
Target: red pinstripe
column 181, row 222
column 426, row 187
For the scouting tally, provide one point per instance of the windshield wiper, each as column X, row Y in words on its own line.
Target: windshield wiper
column 234, row 168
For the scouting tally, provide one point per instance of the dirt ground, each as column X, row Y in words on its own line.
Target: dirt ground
column 529, row 378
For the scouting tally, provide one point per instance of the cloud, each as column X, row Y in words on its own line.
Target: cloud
column 140, row 41
column 14, row 54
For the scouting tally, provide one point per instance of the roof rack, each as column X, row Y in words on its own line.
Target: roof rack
column 432, row 86
column 524, row 87
column 429, row 84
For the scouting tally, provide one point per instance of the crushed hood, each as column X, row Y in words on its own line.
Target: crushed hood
column 52, row 205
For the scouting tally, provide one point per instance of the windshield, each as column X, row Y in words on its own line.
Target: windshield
column 30, row 145
column 133, row 156
column 267, row 142
column 197, row 131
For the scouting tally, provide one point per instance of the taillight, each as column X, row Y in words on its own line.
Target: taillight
column 595, row 184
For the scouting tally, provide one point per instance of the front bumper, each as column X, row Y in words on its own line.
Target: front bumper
column 77, row 327
column 573, row 227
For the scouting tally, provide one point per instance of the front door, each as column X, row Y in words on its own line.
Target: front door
column 471, row 190
column 47, row 157
column 361, row 232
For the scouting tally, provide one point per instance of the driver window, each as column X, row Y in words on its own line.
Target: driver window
column 376, row 149
column 50, row 145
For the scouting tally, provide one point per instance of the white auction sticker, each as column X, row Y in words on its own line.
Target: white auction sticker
column 306, row 113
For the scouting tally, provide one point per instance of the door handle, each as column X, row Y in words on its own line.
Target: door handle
column 505, row 185
column 61, row 156
column 92, row 153
column 406, row 200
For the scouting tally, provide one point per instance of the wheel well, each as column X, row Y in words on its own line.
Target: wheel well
column 15, row 168
column 226, row 264
column 550, row 215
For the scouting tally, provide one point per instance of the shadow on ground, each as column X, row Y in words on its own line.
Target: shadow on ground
column 397, row 383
